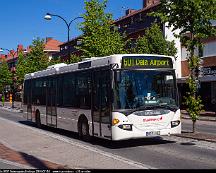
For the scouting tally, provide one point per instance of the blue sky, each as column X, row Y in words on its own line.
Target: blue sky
column 23, row 20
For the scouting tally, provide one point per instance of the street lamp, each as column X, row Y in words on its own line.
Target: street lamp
column 48, row 16
column 12, row 52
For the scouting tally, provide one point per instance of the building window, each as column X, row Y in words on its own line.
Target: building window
column 209, row 49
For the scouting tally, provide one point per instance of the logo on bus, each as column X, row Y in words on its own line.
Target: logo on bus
column 152, row 119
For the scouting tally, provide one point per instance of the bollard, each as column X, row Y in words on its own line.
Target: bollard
column 10, row 99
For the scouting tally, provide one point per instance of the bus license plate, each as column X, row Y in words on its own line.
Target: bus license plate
column 153, row 133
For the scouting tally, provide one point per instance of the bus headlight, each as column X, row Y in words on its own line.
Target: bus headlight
column 125, row 126
column 175, row 123
column 115, row 121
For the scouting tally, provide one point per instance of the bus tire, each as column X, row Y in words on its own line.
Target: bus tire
column 83, row 129
column 37, row 119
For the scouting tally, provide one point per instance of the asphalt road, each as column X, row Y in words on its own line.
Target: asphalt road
column 163, row 153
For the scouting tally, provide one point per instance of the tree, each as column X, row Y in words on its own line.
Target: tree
column 34, row 61
column 100, row 37
column 193, row 18
column 153, row 42
column 37, row 59
column 5, row 75
column 21, row 68
column 75, row 58
column 54, row 61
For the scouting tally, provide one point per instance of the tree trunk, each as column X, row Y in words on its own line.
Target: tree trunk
column 194, row 126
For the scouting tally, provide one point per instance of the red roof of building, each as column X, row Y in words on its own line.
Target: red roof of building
column 52, row 44
column 2, row 56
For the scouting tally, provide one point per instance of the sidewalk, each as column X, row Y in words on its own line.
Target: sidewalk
column 204, row 116
column 8, row 106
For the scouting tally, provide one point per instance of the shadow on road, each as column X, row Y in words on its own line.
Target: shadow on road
column 103, row 142
column 130, row 143
column 33, row 161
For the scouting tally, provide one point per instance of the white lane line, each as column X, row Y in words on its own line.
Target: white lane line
column 90, row 148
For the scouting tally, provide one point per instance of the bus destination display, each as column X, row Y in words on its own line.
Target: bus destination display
column 146, row 62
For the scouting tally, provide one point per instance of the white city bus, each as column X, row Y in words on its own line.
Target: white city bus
column 116, row 97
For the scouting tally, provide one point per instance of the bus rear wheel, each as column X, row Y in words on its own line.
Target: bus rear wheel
column 83, row 130
column 37, row 119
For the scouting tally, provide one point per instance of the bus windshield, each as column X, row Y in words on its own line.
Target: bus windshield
column 141, row 89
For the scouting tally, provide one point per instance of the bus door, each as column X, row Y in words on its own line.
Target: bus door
column 101, row 109
column 28, row 91
column 51, row 110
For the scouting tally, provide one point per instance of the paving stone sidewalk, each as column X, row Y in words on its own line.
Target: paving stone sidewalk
column 22, row 158
column 40, row 149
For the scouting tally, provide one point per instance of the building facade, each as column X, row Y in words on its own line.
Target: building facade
column 68, row 48
column 207, row 74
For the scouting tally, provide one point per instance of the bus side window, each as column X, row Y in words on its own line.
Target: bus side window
column 105, row 96
column 84, row 90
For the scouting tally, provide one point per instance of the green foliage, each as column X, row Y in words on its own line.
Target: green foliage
column 21, row 68
column 54, row 61
column 190, row 15
column 74, row 58
column 5, row 75
column 37, row 59
column 100, row 38
column 193, row 18
column 194, row 106
column 34, row 61
column 153, row 42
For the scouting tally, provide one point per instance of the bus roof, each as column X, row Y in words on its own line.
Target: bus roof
column 92, row 62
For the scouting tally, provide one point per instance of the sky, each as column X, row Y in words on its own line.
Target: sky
column 21, row 21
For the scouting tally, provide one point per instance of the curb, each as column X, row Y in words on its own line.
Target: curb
column 196, row 138
column 11, row 109
column 202, row 119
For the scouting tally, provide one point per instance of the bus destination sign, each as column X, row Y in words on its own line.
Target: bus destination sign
column 146, row 62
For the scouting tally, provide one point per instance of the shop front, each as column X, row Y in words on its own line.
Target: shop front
column 206, row 89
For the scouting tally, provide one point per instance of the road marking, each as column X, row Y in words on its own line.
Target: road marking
column 83, row 146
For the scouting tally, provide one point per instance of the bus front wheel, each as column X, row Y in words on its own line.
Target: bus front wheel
column 83, row 129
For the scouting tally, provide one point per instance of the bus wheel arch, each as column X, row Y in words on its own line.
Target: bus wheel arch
column 37, row 118
column 83, row 128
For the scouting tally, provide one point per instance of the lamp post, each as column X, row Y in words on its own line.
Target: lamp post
column 48, row 16
column 12, row 52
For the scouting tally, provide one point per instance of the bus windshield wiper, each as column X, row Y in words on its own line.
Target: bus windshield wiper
column 165, row 106
column 145, row 107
